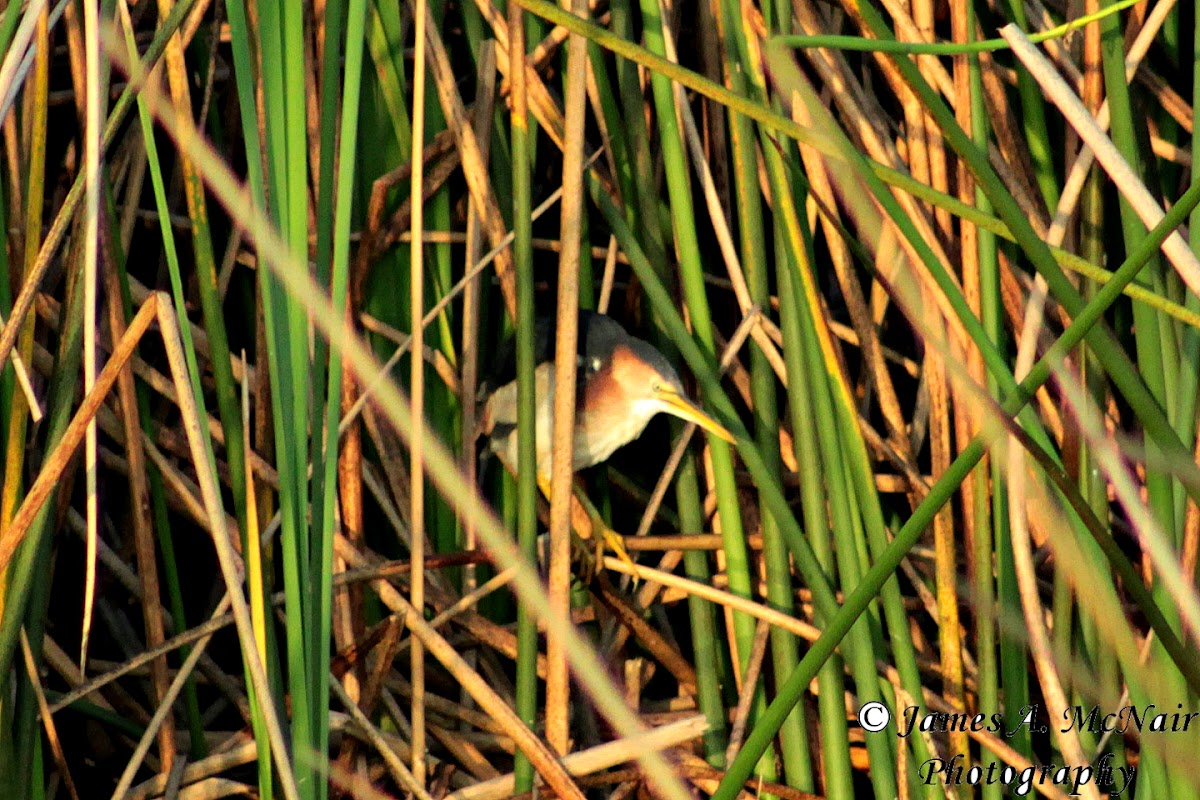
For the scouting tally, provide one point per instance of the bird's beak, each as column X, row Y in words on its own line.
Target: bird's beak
column 680, row 406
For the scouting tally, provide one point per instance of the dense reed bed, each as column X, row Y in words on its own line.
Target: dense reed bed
column 933, row 265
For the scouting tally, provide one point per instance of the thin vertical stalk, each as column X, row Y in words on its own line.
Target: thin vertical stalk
column 471, row 310
column 814, row 503
column 157, row 491
column 946, row 549
column 266, row 155
column 1149, row 342
column 280, row 49
column 991, row 519
column 1093, row 246
column 565, row 366
column 706, row 655
column 160, row 194
column 342, row 197
column 200, row 449
column 527, row 643
column 325, row 385
column 417, row 391
column 441, row 523
column 91, row 235
column 28, row 593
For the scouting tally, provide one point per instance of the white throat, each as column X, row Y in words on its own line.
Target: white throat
column 603, row 440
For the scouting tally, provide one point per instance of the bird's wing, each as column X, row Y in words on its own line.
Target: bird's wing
column 505, row 363
column 499, row 412
column 499, row 417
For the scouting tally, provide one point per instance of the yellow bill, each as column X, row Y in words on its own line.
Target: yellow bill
column 680, row 406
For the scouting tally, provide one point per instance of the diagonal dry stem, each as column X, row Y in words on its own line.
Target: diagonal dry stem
column 474, row 165
column 61, row 456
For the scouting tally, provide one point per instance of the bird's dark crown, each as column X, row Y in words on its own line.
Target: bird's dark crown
column 599, row 336
column 651, row 357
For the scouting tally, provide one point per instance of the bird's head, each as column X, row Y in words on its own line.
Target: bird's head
column 648, row 385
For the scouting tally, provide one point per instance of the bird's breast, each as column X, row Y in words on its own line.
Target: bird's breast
column 604, row 421
column 596, row 440
column 607, row 421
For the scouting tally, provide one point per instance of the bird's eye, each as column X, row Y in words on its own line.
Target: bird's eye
column 656, row 386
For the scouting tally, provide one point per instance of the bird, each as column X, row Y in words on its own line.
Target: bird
column 622, row 382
